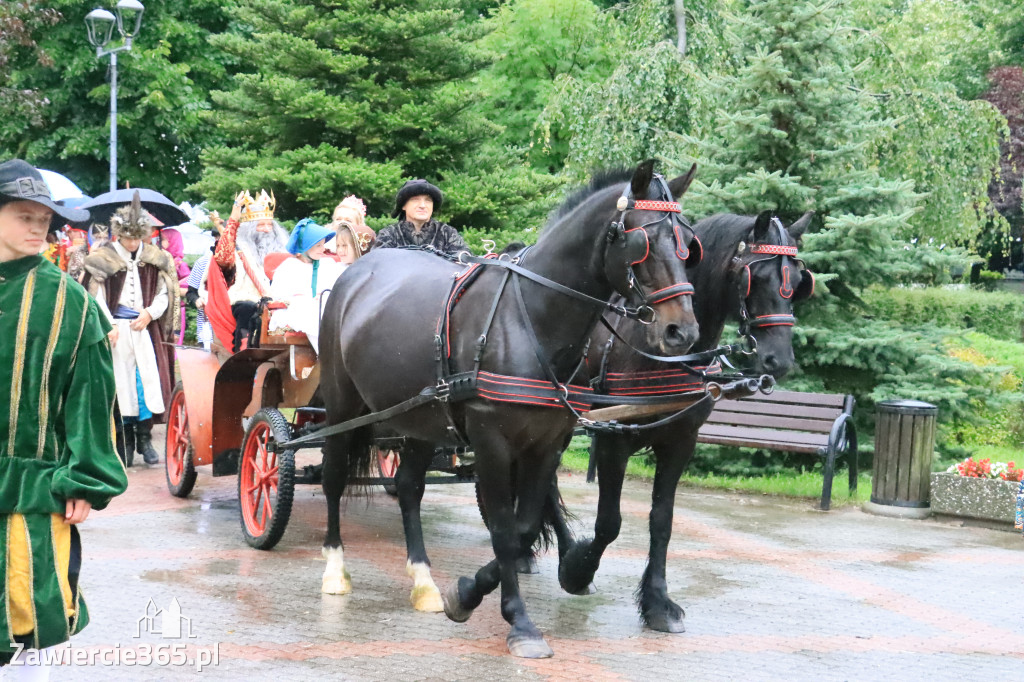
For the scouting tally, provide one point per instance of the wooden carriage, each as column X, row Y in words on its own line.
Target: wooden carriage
column 229, row 411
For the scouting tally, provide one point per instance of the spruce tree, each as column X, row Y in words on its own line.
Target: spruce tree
column 352, row 97
column 796, row 131
column 793, row 134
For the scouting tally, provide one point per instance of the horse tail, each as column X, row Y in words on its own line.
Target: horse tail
column 360, row 458
column 555, row 521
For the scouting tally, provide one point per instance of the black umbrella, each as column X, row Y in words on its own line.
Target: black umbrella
column 160, row 207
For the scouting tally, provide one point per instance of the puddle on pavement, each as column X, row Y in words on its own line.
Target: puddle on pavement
column 213, row 567
column 707, row 585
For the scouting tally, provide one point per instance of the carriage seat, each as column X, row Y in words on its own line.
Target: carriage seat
column 288, row 338
column 272, row 261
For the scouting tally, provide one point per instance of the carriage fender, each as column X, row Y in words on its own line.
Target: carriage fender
column 232, row 392
column 198, row 370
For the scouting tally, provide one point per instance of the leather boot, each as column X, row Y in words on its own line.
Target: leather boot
column 119, row 441
column 128, row 434
column 144, row 441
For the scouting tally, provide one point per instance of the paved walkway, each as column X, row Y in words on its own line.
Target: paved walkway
column 773, row 591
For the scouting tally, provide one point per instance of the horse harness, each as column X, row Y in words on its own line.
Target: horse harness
column 757, row 253
column 456, row 387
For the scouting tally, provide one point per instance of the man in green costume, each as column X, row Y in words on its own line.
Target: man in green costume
column 57, row 457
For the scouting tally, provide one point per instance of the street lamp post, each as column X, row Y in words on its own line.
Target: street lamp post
column 100, row 26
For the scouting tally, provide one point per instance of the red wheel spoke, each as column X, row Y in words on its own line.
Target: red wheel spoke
column 258, row 497
column 263, row 450
column 266, row 509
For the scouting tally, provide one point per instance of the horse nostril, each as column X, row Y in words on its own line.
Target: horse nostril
column 675, row 335
column 770, row 362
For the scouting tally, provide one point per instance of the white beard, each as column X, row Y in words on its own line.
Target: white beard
column 261, row 244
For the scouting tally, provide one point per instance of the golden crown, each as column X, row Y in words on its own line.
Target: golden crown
column 259, row 207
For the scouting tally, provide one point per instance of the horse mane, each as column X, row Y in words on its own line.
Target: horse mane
column 600, row 179
column 722, row 230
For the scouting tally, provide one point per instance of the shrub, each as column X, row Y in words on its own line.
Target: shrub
column 997, row 313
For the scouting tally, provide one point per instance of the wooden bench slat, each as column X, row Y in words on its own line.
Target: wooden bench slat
column 772, row 422
column 795, row 397
column 767, row 445
column 782, row 438
column 780, row 409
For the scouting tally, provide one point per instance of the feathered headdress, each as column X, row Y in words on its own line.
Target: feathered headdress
column 131, row 222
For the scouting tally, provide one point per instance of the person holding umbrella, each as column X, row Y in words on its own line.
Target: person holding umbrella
column 136, row 287
column 57, row 458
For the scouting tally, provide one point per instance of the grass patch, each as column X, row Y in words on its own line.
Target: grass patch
column 786, row 484
column 996, row 453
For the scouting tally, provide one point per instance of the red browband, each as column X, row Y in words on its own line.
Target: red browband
column 647, row 205
column 655, row 297
column 773, row 249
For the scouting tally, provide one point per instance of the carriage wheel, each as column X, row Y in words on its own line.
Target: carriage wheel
column 387, row 467
column 178, row 460
column 266, row 479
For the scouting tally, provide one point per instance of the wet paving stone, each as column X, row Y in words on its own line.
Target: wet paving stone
column 773, row 590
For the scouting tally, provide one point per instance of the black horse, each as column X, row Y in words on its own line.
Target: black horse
column 749, row 272
column 382, row 342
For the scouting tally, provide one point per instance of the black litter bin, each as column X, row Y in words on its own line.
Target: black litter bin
column 904, row 443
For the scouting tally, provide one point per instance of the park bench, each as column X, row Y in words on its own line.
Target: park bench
column 789, row 421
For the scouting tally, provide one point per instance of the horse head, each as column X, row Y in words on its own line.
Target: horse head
column 770, row 278
column 649, row 244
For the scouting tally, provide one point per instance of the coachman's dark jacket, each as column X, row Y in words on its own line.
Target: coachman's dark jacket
column 440, row 236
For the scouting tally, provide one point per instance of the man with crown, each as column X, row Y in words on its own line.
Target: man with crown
column 134, row 283
column 236, row 286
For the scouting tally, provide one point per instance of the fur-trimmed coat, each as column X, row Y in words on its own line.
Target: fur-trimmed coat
column 105, row 267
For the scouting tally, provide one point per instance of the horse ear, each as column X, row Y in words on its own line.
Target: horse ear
column 762, row 222
column 678, row 186
column 642, row 176
column 797, row 229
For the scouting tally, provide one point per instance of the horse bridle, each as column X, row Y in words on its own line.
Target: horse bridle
column 762, row 253
column 631, row 245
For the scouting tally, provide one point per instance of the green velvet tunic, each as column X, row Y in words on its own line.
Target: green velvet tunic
column 56, row 429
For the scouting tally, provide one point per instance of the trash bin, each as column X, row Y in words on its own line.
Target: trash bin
column 904, row 443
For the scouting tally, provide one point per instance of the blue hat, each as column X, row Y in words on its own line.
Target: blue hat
column 306, row 235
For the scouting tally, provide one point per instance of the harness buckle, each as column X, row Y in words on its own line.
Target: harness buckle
column 443, row 390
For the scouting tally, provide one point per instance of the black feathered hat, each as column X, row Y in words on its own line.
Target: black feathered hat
column 20, row 181
column 415, row 188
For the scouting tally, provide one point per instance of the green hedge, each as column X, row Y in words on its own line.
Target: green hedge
column 998, row 314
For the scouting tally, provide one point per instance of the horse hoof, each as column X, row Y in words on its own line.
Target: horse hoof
column 453, row 607
column 665, row 623
column 426, row 598
column 336, row 585
column 589, row 589
column 524, row 646
column 527, row 565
